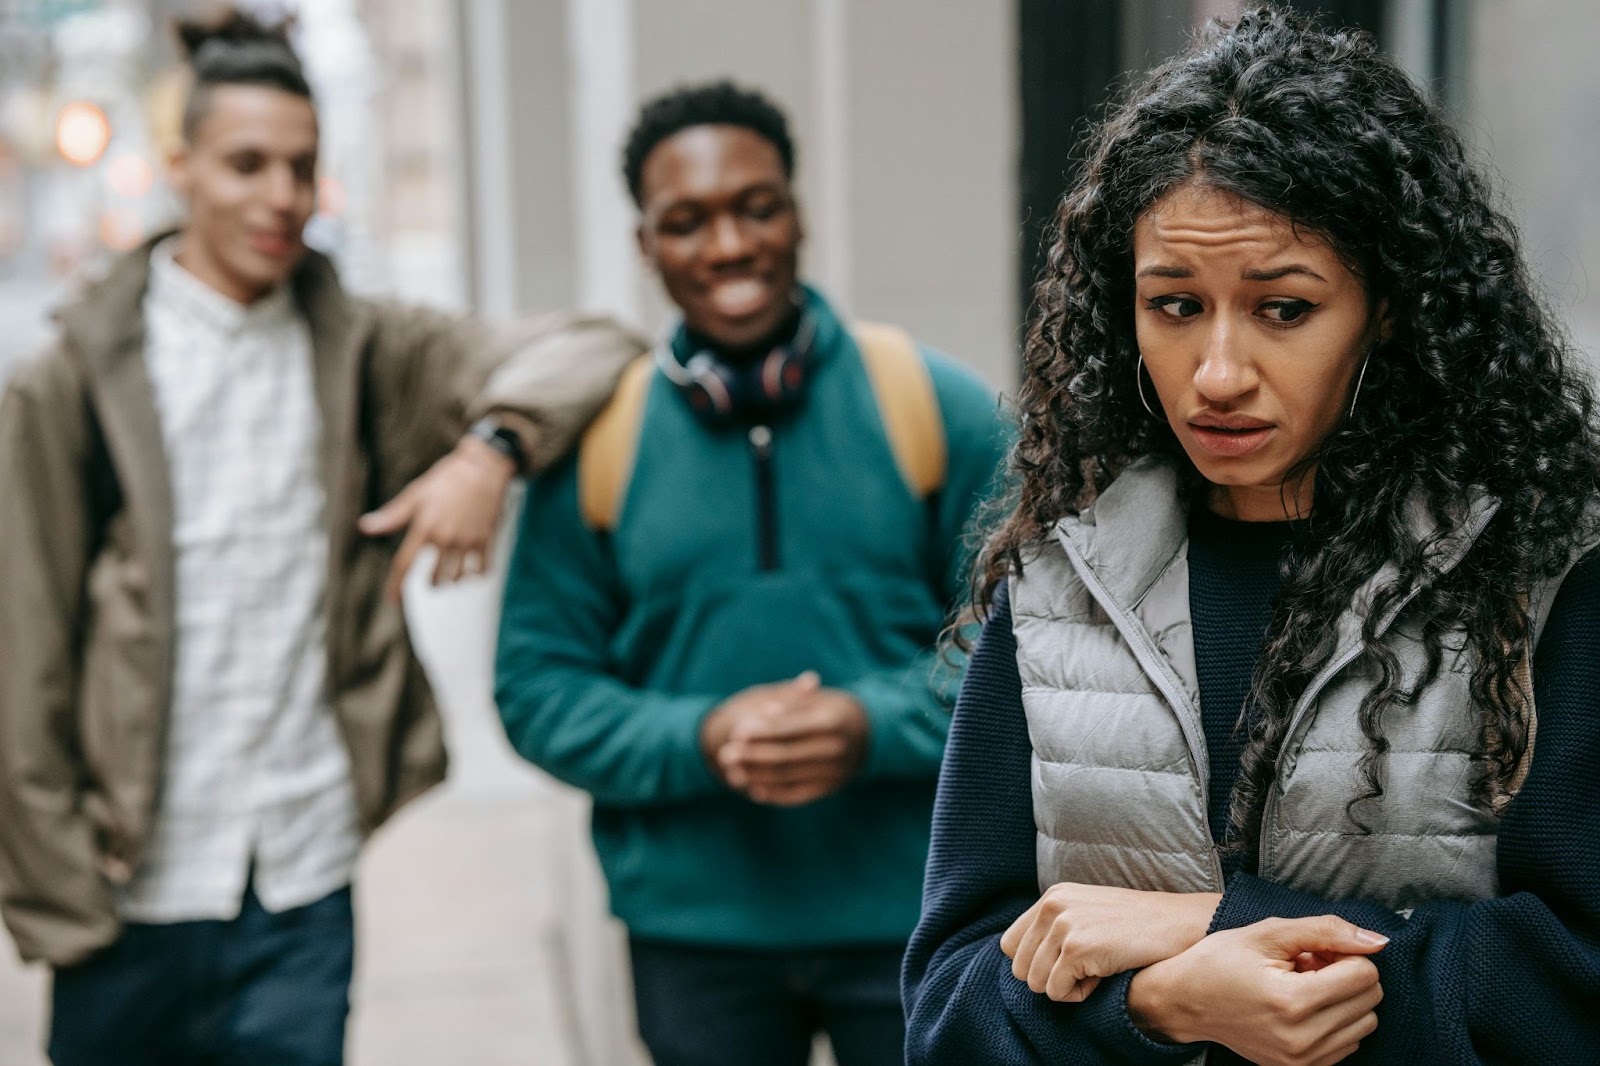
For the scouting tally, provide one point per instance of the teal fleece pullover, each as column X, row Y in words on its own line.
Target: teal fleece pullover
column 614, row 646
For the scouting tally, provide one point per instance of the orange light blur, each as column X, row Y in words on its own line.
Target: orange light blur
column 330, row 197
column 130, row 176
column 82, row 133
column 121, row 229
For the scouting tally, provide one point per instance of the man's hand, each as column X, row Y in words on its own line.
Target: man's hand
column 1249, row 990
column 455, row 507
column 787, row 744
column 757, row 700
column 1076, row 934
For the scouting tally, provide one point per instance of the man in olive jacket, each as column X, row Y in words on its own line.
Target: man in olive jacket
column 208, row 697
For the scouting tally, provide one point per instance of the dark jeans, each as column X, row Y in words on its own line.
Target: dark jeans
column 267, row 989
column 719, row 1007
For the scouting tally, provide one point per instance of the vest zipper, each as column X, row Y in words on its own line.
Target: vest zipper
column 766, row 498
column 1154, row 665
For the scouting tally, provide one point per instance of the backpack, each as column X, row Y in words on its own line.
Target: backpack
column 900, row 383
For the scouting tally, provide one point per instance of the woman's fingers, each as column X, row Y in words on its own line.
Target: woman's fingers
column 1011, row 939
column 1347, row 979
column 1288, row 938
column 1028, row 945
column 1346, row 1013
column 1344, row 1042
column 1045, row 956
column 1065, row 983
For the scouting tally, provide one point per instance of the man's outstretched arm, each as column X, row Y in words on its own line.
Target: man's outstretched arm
column 484, row 405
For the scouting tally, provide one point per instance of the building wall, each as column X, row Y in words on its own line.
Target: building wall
column 1528, row 91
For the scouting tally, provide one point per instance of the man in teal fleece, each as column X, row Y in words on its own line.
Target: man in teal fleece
column 741, row 664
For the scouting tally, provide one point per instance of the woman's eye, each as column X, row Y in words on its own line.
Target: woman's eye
column 1176, row 306
column 1286, row 310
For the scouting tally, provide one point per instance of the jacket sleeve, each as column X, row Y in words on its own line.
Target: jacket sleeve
column 546, row 376
column 963, row 1005
column 55, row 900
column 1515, row 978
column 563, row 706
column 908, row 709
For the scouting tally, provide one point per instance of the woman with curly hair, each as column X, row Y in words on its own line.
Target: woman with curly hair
column 1280, row 740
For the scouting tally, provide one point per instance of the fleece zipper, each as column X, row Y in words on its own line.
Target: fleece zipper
column 767, row 558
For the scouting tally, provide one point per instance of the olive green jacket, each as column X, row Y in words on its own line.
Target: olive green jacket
column 86, row 565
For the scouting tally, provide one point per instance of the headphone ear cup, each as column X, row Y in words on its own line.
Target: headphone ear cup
column 783, row 378
column 709, row 388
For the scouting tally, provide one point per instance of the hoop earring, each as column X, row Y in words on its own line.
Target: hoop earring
column 1138, row 383
column 1356, row 395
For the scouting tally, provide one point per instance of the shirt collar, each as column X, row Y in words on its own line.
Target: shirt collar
column 175, row 288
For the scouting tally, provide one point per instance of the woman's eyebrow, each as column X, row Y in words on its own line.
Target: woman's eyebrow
column 1166, row 272
column 1281, row 272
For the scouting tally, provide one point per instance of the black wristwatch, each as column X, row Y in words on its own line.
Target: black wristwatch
column 502, row 439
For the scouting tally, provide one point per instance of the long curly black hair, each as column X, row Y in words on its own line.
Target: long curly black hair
column 1472, row 390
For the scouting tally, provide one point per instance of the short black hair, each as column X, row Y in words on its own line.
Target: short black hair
column 717, row 103
column 235, row 49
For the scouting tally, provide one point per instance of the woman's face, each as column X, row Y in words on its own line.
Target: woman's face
column 1253, row 335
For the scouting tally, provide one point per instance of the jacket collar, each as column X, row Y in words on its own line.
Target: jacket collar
column 106, row 322
column 1132, row 532
column 105, row 329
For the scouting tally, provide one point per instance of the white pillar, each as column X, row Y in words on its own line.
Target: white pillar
column 600, row 53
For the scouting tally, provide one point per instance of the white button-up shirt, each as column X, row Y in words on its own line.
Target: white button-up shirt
column 256, row 773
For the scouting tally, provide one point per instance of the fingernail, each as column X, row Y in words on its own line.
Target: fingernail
column 1367, row 936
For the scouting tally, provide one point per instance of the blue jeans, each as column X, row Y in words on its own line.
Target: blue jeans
column 722, row 1007
column 267, row 989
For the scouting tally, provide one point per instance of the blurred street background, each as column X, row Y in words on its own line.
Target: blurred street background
column 471, row 156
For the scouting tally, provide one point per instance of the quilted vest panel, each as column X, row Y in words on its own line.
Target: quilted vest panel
column 1110, row 691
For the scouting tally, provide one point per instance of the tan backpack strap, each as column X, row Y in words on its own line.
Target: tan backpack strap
column 908, row 403
column 608, row 447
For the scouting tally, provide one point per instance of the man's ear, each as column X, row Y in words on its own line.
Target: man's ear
column 641, row 238
column 178, row 176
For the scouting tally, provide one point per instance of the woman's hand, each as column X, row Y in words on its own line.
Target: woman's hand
column 1076, row 934
column 1248, row 989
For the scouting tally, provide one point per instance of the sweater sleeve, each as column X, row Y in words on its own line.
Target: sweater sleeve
column 1515, row 978
column 962, row 1003
column 562, row 704
column 908, row 708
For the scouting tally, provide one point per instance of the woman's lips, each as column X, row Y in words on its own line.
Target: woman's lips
column 1231, row 443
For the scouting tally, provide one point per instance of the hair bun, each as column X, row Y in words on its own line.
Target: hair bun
column 204, row 39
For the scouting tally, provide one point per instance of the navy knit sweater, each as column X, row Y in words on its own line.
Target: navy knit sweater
column 1512, row 979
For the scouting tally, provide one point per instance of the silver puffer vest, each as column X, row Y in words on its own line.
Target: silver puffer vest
column 1106, row 653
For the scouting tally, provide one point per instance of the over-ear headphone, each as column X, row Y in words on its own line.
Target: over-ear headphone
column 721, row 393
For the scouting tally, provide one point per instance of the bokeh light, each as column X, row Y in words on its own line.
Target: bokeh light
column 130, row 176
column 82, row 133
